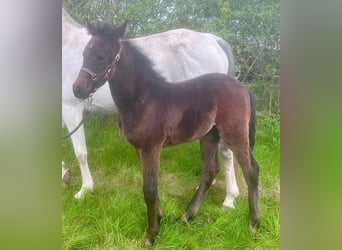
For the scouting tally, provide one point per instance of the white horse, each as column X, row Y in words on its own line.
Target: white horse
column 178, row 54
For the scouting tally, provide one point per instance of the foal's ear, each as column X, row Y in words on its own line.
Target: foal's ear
column 91, row 28
column 121, row 30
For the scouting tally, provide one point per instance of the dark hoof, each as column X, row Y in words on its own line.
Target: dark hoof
column 148, row 243
column 254, row 226
column 66, row 177
column 184, row 218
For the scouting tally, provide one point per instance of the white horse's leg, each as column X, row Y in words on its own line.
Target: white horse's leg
column 232, row 190
column 80, row 149
column 71, row 117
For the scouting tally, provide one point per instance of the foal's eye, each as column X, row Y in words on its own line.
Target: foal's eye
column 100, row 57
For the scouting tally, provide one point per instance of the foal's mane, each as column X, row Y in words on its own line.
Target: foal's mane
column 144, row 65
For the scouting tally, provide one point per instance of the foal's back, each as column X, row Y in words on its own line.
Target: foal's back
column 216, row 88
column 191, row 108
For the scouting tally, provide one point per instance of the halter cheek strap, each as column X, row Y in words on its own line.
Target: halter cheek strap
column 92, row 74
column 108, row 69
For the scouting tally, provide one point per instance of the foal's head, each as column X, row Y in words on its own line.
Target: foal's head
column 99, row 58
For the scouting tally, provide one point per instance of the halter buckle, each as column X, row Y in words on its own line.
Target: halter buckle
column 94, row 77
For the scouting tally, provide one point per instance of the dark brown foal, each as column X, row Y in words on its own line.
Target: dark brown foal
column 155, row 113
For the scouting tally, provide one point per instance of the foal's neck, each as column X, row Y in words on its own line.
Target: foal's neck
column 136, row 81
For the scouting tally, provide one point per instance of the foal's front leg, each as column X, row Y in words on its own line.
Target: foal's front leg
column 150, row 165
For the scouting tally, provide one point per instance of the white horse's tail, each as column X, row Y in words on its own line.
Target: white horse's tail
column 225, row 46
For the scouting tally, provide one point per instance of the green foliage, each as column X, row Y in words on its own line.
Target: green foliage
column 114, row 216
column 267, row 97
column 256, row 28
column 271, row 125
column 255, row 37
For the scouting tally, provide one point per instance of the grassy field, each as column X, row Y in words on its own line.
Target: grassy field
column 114, row 215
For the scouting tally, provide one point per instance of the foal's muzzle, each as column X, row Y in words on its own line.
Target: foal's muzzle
column 83, row 86
column 77, row 91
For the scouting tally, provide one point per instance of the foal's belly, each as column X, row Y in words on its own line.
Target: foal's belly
column 186, row 132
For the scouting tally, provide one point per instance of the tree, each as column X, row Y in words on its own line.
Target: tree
column 254, row 32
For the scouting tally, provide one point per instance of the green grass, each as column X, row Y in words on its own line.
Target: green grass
column 114, row 215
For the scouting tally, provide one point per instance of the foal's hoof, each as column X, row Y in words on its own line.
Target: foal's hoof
column 148, row 243
column 254, row 226
column 184, row 218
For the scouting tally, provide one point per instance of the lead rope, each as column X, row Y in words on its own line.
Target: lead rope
column 85, row 113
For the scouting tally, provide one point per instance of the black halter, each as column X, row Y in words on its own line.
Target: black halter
column 108, row 69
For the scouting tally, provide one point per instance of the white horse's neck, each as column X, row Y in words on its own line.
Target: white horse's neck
column 74, row 39
column 66, row 18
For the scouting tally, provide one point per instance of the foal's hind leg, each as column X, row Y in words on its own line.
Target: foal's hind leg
column 250, row 170
column 209, row 149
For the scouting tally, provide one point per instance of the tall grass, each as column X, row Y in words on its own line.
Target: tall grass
column 114, row 215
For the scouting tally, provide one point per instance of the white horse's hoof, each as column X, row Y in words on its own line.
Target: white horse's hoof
column 229, row 203
column 82, row 192
column 79, row 195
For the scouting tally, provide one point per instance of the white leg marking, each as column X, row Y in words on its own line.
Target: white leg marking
column 232, row 190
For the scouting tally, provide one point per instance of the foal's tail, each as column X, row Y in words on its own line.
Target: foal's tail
column 252, row 121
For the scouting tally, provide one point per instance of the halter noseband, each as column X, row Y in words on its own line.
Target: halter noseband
column 108, row 69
